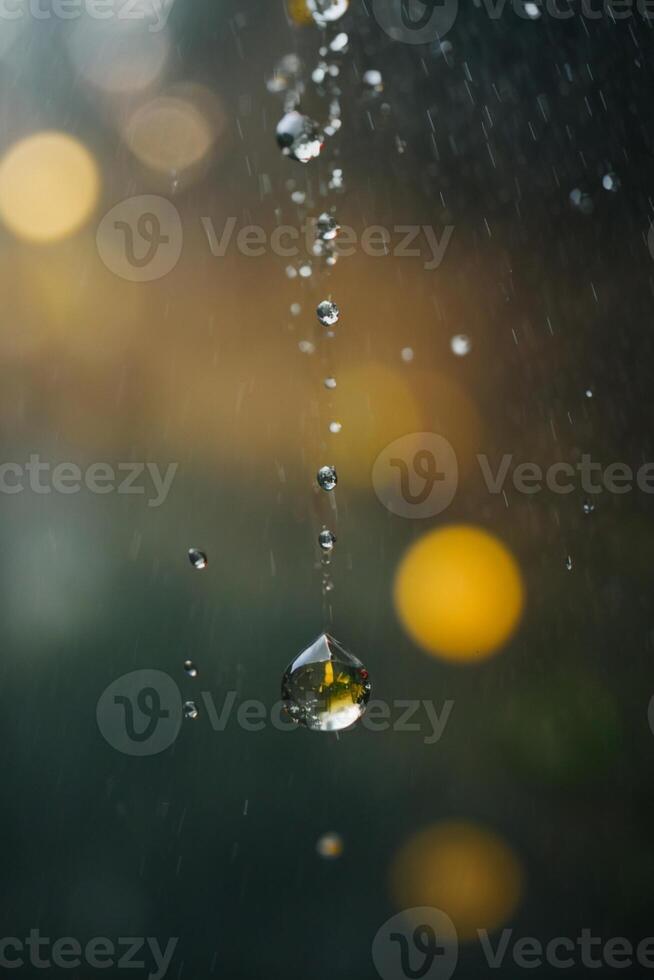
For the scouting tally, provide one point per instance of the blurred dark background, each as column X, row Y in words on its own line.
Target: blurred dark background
column 548, row 745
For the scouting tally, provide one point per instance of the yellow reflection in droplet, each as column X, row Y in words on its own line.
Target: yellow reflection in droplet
column 48, row 186
column 464, row 870
column 459, row 592
column 169, row 134
column 299, row 12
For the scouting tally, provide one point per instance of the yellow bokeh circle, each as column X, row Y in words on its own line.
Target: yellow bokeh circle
column 459, row 593
column 299, row 13
column 48, row 186
column 464, row 870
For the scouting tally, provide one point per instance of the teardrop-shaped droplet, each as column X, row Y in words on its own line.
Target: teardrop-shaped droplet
column 328, row 313
column 299, row 137
column 325, row 688
column 327, row 477
column 197, row 558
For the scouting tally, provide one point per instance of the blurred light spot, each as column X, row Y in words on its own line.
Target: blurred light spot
column 116, row 57
column 459, row 593
column 171, row 133
column 48, row 186
column 299, row 13
column 464, row 870
column 330, row 846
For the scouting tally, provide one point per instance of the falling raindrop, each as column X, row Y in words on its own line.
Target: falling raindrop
column 328, row 313
column 330, row 846
column 340, row 43
column 327, row 539
column 568, row 563
column 299, row 137
column 610, row 182
column 460, row 344
column 330, row 382
column 325, row 688
column 197, row 558
column 191, row 710
column 327, row 477
column 589, row 392
column 327, row 227
column 588, row 507
column 190, row 668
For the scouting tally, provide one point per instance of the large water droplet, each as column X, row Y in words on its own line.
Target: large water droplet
column 328, row 313
column 299, row 137
column 197, row 558
column 325, row 688
column 327, row 477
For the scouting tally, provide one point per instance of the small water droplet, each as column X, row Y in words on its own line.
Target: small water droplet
column 568, row 563
column 327, row 11
column 588, row 507
column 197, row 558
column 325, row 688
column 296, row 309
column 190, row 668
column 299, row 137
column 307, row 347
column 327, row 227
column 330, row 382
column 340, row 43
column 610, row 182
column 191, row 710
column 335, row 427
column 328, row 313
column 327, row 477
column 327, row 539
column 373, row 79
column 407, row 354
column 461, row 344
column 589, row 392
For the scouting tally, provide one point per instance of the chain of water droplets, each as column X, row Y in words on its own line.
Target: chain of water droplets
column 302, row 139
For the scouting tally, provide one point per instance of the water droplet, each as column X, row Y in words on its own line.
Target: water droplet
column 327, row 227
column 327, row 477
column 305, row 270
column 327, row 539
column 340, row 43
column 373, row 79
column 407, row 354
column 330, row 846
column 298, row 197
column 190, row 668
column 589, row 392
column 197, row 558
column 568, row 563
column 325, row 689
column 581, row 201
column 461, row 345
column 330, row 382
column 327, row 11
column 307, row 347
column 335, row 427
column 296, row 309
column 191, row 710
column 610, row 182
column 328, row 313
column 299, row 137
column 588, row 507
column 336, row 179
column 532, row 11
